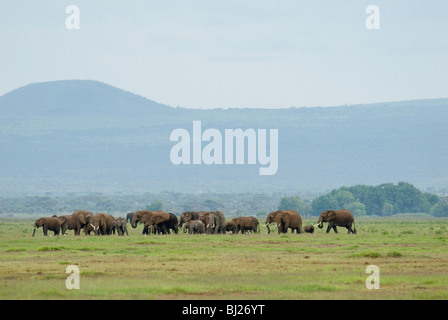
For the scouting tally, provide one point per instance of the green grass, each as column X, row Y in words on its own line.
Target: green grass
column 411, row 254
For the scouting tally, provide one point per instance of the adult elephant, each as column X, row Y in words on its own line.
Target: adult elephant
column 80, row 219
column 191, row 215
column 143, row 216
column 103, row 223
column 285, row 219
column 67, row 223
column 337, row 218
column 202, row 215
column 51, row 223
column 172, row 223
column 211, row 222
column 162, row 222
column 246, row 224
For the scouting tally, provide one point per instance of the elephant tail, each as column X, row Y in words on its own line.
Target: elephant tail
column 354, row 227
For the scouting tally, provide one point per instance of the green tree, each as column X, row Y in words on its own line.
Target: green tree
column 357, row 208
column 344, row 199
column 292, row 203
column 388, row 209
column 155, row 206
column 439, row 209
column 322, row 203
column 212, row 205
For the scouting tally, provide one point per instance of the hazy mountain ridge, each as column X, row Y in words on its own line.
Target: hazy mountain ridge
column 80, row 135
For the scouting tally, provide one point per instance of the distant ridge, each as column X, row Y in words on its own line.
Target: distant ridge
column 75, row 97
column 87, row 136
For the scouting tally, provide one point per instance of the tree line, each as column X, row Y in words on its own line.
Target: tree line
column 383, row 200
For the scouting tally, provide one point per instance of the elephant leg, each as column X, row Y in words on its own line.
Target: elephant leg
column 329, row 228
column 350, row 230
column 335, row 229
column 44, row 229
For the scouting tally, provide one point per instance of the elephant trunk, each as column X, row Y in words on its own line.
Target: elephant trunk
column 34, row 230
column 269, row 229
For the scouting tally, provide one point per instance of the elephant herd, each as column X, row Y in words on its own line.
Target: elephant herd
column 193, row 222
column 99, row 223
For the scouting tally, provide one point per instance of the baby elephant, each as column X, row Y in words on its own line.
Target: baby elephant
column 120, row 226
column 309, row 228
column 194, row 227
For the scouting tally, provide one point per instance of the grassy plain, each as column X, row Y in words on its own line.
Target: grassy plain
column 411, row 254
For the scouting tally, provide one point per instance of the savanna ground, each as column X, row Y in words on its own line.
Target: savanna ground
column 411, row 254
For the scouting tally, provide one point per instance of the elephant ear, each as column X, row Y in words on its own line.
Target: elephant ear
column 158, row 219
column 286, row 218
column 331, row 214
column 82, row 218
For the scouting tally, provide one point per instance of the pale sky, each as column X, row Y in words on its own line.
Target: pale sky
column 233, row 53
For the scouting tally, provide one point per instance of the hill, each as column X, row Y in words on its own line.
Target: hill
column 87, row 136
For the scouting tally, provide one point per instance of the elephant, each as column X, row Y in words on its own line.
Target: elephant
column 230, row 226
column 172, row 223
column 194, row 227
column 309, row 228
column 162, row 222
column 191, row 215
column 246, row 224
column 285, row 219
column 138, row 216
column 121, row 226
column 211, row 221
column 202, row 215
column 67, row 223
column 52, row 224
column 129, row 216
column 143, row 217
column 337, row 218
column 80, row 219
column 103, row 223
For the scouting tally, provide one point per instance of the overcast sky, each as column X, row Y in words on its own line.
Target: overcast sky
column 232, row 53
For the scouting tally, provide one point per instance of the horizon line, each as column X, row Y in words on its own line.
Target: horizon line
column 222, row 108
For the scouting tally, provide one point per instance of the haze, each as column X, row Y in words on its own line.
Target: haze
column 210, row 54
